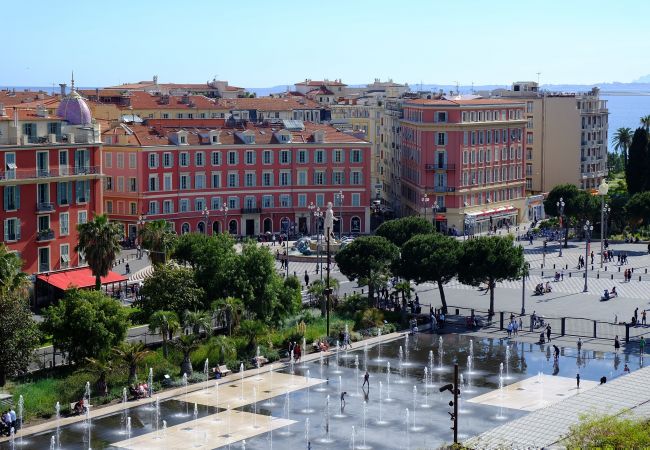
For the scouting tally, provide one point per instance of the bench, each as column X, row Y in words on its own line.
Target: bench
column 223, row 369
column 261, row 360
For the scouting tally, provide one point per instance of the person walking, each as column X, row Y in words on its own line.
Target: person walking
column 306, row 278
column 548, row 332
column 579, row 344
column 642, row 346
column 643, row 317
column 617, row 344
column 556, row 352
column 592, row 257
column 636, row 314
column 578, row 380
column 366, row 380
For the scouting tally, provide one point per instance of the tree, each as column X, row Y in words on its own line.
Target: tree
column 170, row 288
column 158, row 237
column 364, row 257
column 317, row 290
column 636, row 172
column 198, row 320
column 186, row 345
column 578, row 205
column 399, row 231
column 645, row 122
column 166, row 323
column 622, row 140
column 405, row 289
column 86, row 324
column 430, row 258
column 99, row 241
column 638, row 208
column 131, row 354
column 233, row 309
column 489, row 260
column 251, row 330
column 19, row 332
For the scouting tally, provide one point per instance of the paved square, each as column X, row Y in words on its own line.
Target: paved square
column 534, row 393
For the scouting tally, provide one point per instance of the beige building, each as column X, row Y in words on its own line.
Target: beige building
column 593, row 138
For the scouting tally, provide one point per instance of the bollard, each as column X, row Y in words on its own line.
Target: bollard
column 566, row 267
column 619, row 268
column 595, row 328
column 554, row 266
column 646, row 271
column 569, row 274
column 612, row 276
column 542, row 274
column 605, row 268
column 592, row 267
column 639, row 277
column 457, row 312
column 563, row 327
column 541, row 266
column 627, row 333
column 501, row 320
column 361, row 291
column 598, row 275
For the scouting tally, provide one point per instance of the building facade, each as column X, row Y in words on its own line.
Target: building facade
column 50, row 181
column 462, row 162
column 247, row 181
column 593, row 138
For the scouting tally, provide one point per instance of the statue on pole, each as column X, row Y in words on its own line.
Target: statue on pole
column 329, row 220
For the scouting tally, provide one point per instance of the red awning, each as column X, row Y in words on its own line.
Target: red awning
column 81, row 278
column 441, row 217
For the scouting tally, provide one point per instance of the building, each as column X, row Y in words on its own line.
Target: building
column 273, row 109
column 467, row 157
column 249, row 180
column 214, row 89
column 335, row 88
column 593, row 138
column 50, row 180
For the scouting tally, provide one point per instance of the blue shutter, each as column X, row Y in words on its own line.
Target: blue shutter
column 87, row 190
column 17, row 194
column 6, row 197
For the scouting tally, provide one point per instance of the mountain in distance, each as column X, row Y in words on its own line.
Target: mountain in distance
column 643, row 79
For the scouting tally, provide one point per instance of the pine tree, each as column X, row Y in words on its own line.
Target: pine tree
column 636, row 172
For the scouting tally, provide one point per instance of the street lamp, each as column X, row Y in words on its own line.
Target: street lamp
column 317, row 215
column 435, row 208
column 425, row 202
column 224, row 210
column 524, row 274
column 206, row 216
column 311, row 207
column 340, row 198
column 141, row 221
column 560, row 209
column 588, row 228
column 602, row 192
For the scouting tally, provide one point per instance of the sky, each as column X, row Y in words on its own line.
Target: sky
column 261, row 43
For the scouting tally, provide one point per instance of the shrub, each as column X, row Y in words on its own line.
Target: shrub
column 350, row 305
column 609, row 432
column 370, row 318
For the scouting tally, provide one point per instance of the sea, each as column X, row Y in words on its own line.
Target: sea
column 625, row 108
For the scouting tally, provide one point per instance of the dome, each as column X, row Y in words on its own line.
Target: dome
column 74, row 109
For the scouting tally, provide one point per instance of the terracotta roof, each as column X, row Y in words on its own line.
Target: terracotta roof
column 26, row 114
column 268, row 103
column 144, row 100
column 474, row 102
column 320, row 91
column 320, row 83
column 9, row 98
column 102, row 92
column 159, row 136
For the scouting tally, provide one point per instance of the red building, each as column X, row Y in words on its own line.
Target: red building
column 462, row 161
column 249, row 180
column 50, row 180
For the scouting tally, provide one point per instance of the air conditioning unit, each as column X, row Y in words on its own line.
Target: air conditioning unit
column 70, row 138
column 51, row 138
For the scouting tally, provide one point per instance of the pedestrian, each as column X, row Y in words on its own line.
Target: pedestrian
column 617, row 344
column 642, row 345
column 562, row 274
column 306, row 278
column 643, row 317
column 548, row 332
column 636, row 314
column 626, row 369
column 128, row 268
column 578, row 380
column 366, row 380
column 592, row 257
column 138, row 252
column 343, row 394
column 579, row 344
column 556, row 352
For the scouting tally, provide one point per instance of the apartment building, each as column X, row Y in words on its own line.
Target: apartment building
column 213, row 89
column 50, row 180
column 593, row 138
column 246, row 180
column 467, row 156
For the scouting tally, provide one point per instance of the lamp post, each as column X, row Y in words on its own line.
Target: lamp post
column 425, row 202
column 602, row 192
column 141, row 221
column 224, row 210
column 588, row 228
column 435, row 208
column 317, row 215
column 560, row 209
column 523, row 284
column 339, row 195
column 206, row 216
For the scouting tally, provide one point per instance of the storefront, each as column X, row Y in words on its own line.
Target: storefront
column 535, row 208
column 478, row 222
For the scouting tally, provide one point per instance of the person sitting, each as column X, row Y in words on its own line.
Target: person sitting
column 539, row 289
column 557, row 276
column 217, row 372
column 141, row 390
column 548, row 287
column 542, row 338
column 614, row 293
column 79, row 407
column 606, row 295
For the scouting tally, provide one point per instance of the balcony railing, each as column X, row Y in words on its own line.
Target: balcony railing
column 251, row 210
column 444, row 189
column 45, row 235
column 440, row 209
column 45, row 207
column 440, row 166
column 27, row 174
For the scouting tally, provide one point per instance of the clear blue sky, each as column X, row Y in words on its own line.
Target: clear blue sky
column 258, row 43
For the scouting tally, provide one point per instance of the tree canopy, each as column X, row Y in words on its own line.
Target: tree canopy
column 99, row 241
column 430, row 258
column 636, row 172
column 172, row 289
column 622, row 139
column 638, row 208
column 490, row 259
column 365, row 258
column 399, row 231
column 578, row 205
column 86, row 324
column 158, row 237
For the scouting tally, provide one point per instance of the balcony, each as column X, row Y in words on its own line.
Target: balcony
column 440, row 166
column 44, row 207
column 441, row 209
column 36, row 174
column 251, row 210
column 45, row 235
column 444, row 189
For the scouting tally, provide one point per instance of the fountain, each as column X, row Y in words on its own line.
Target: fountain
column 388, row 399
column 292, row 362
column 125, row 409
column 363, row 429
column 307, row 430
column 12, row 438
column 431, row 364
column 345, row 344
column 500, row 415
column 255, row 407
column 287, row 413
column 365, row 356
column 356, row 373
column 337, row 370
column 88, row 425
column 195, row 426
column 379, row 345
column 507, row 362
column 21, row 407
column 326, row 423
column 150, row 382
column 164, row 429
column 187, row 411
column 303, row 353
column 352, row 439
column 406, row 349
column 441, row 353
column 157, row 418
column 340, row 413
column 52, row 443
column 426, row 391
column 402, row 369
column 206, row 375
column 415, row 399
column 57, row 408
column 308, row 409
column 241, row 381
column 408, row 437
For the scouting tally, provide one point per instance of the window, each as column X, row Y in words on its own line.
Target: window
column 153, row 160
column 120, row 160
column 83, row 191
column 338, row 156
column 356, row 199
column 529, row 107
column 108, row 183
column 184, row 159
column 285, row 157
column 109, row 206
column 232, row 158
column 320, row 200
column 109, row 160
column 12, row 229
column 63, row 161
column 133, row 206
column 355, row 156
column 465, row 137
column 216, row 158
column 285, row 201
column 529, row 138
column 165, row 116
column 441, row 116
column 319, row 177
column 250, row 157
column 233, row 202
column 82, row 217
column 303, row 157
column 168, row 207
column 267, row 179
column 285, row 178
column 199, row 204
column 64, row 250
column 302, row 200
column 355, row 177
column 64, row 192
column 153, row 207
column 233, row 180
column 184, row 205
column 442, row 139
column 199, row 181
column 473, row 157
column 133, row 184
column 199, row 159
column 465, row 157
column 215, row 203
column 249, row 179
column 184, row 182
column 267, row 201
column 355, row 225
column 153, row 183
column 167, row 182
column 44, row 259
column 267, row 157
column 216, row 179
column 133, row 161
column 319, row 156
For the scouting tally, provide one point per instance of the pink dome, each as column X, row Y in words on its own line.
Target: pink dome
column 74, row 110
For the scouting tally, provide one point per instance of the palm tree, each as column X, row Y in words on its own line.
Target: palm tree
column 198, row 320
column 101, row 368
column 223, row 347
column 131, row 355
column 167, row 323
column 186, row 345
column 158, row 237
column 404, row 289
column 99, row 241
column 233, row 308
column 645, row 122
column 12, row 279
column 376, row 281
column 622, row 140
column 317, row 290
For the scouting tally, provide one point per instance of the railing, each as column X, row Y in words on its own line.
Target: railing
column 251, row 210
column 440, row 209
column 440, row 166
column 27, row 174
column 45, row 235
column 444, row 189
column 45, row 207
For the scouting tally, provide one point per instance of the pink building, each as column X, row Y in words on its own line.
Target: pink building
column 249, row 180
column 462, row 162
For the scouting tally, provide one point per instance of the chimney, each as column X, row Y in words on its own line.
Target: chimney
column 63, row 86
column 155, row 80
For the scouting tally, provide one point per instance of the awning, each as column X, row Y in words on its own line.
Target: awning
column 80, row 278
column 493, row 212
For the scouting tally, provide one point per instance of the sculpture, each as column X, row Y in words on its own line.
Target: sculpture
column 329, row 220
